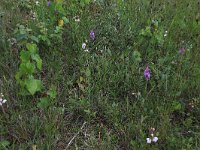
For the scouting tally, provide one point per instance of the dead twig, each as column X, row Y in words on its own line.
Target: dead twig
column 70, row 142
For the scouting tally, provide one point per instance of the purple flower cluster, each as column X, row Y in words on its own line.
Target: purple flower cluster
column 182, row 51
column 49, row 3
column 147, row 73
column 92, row 35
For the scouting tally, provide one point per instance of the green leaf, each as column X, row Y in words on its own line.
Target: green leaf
column 32, row 48
column 44, row 102
column 176, row 105
column 28, row 68
column 59, row 8
column 24, row 56
column 82, row 3
column 38, row 60
column 18, row 75
column 33, row 85
column 137, row 56
column 34, row 38
column 65, row 19
column 52, row 92
column 88, row 72
column 87, row 1
column 21, row 37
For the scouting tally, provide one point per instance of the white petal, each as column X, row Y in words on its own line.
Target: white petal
column 4, row 101
column 83, row 46
column 148, row 140
column 77, row 20
column 0, row 103
column 155, row 139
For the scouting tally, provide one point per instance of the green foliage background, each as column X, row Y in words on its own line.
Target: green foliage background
column 103, row 89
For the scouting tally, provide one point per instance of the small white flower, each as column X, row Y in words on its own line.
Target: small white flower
column 155, row 139
column 33, row 15
column 76, row 19
column 148, row 140
column 165, row 33
column 37, row 2
column 12, row 41
column 83, row 45
column 2, row 101
column 86, row 50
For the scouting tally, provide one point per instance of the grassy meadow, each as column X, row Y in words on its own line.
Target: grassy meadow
column 100, row 75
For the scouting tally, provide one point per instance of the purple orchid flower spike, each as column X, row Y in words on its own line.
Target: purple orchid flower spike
column 92, row 35
column 147, row 73
column 182, row 51
column 49, row 3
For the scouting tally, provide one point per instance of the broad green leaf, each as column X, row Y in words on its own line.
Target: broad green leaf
column 32, row 48
column 38, row 60
column 176, row 105
column 34, row 38
column 18, row 75
column 43, row 103
column 52, row 92
column 65, row 19
column 24, row 56
column 28, row 68
column 33, row 86
column 81, row 79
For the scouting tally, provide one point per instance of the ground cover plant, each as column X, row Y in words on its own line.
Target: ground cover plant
column 99, row 74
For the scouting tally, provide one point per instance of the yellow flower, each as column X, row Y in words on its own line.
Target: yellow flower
column 60, row 22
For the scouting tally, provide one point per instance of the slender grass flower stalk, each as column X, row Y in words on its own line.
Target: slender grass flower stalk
column 147, row 73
